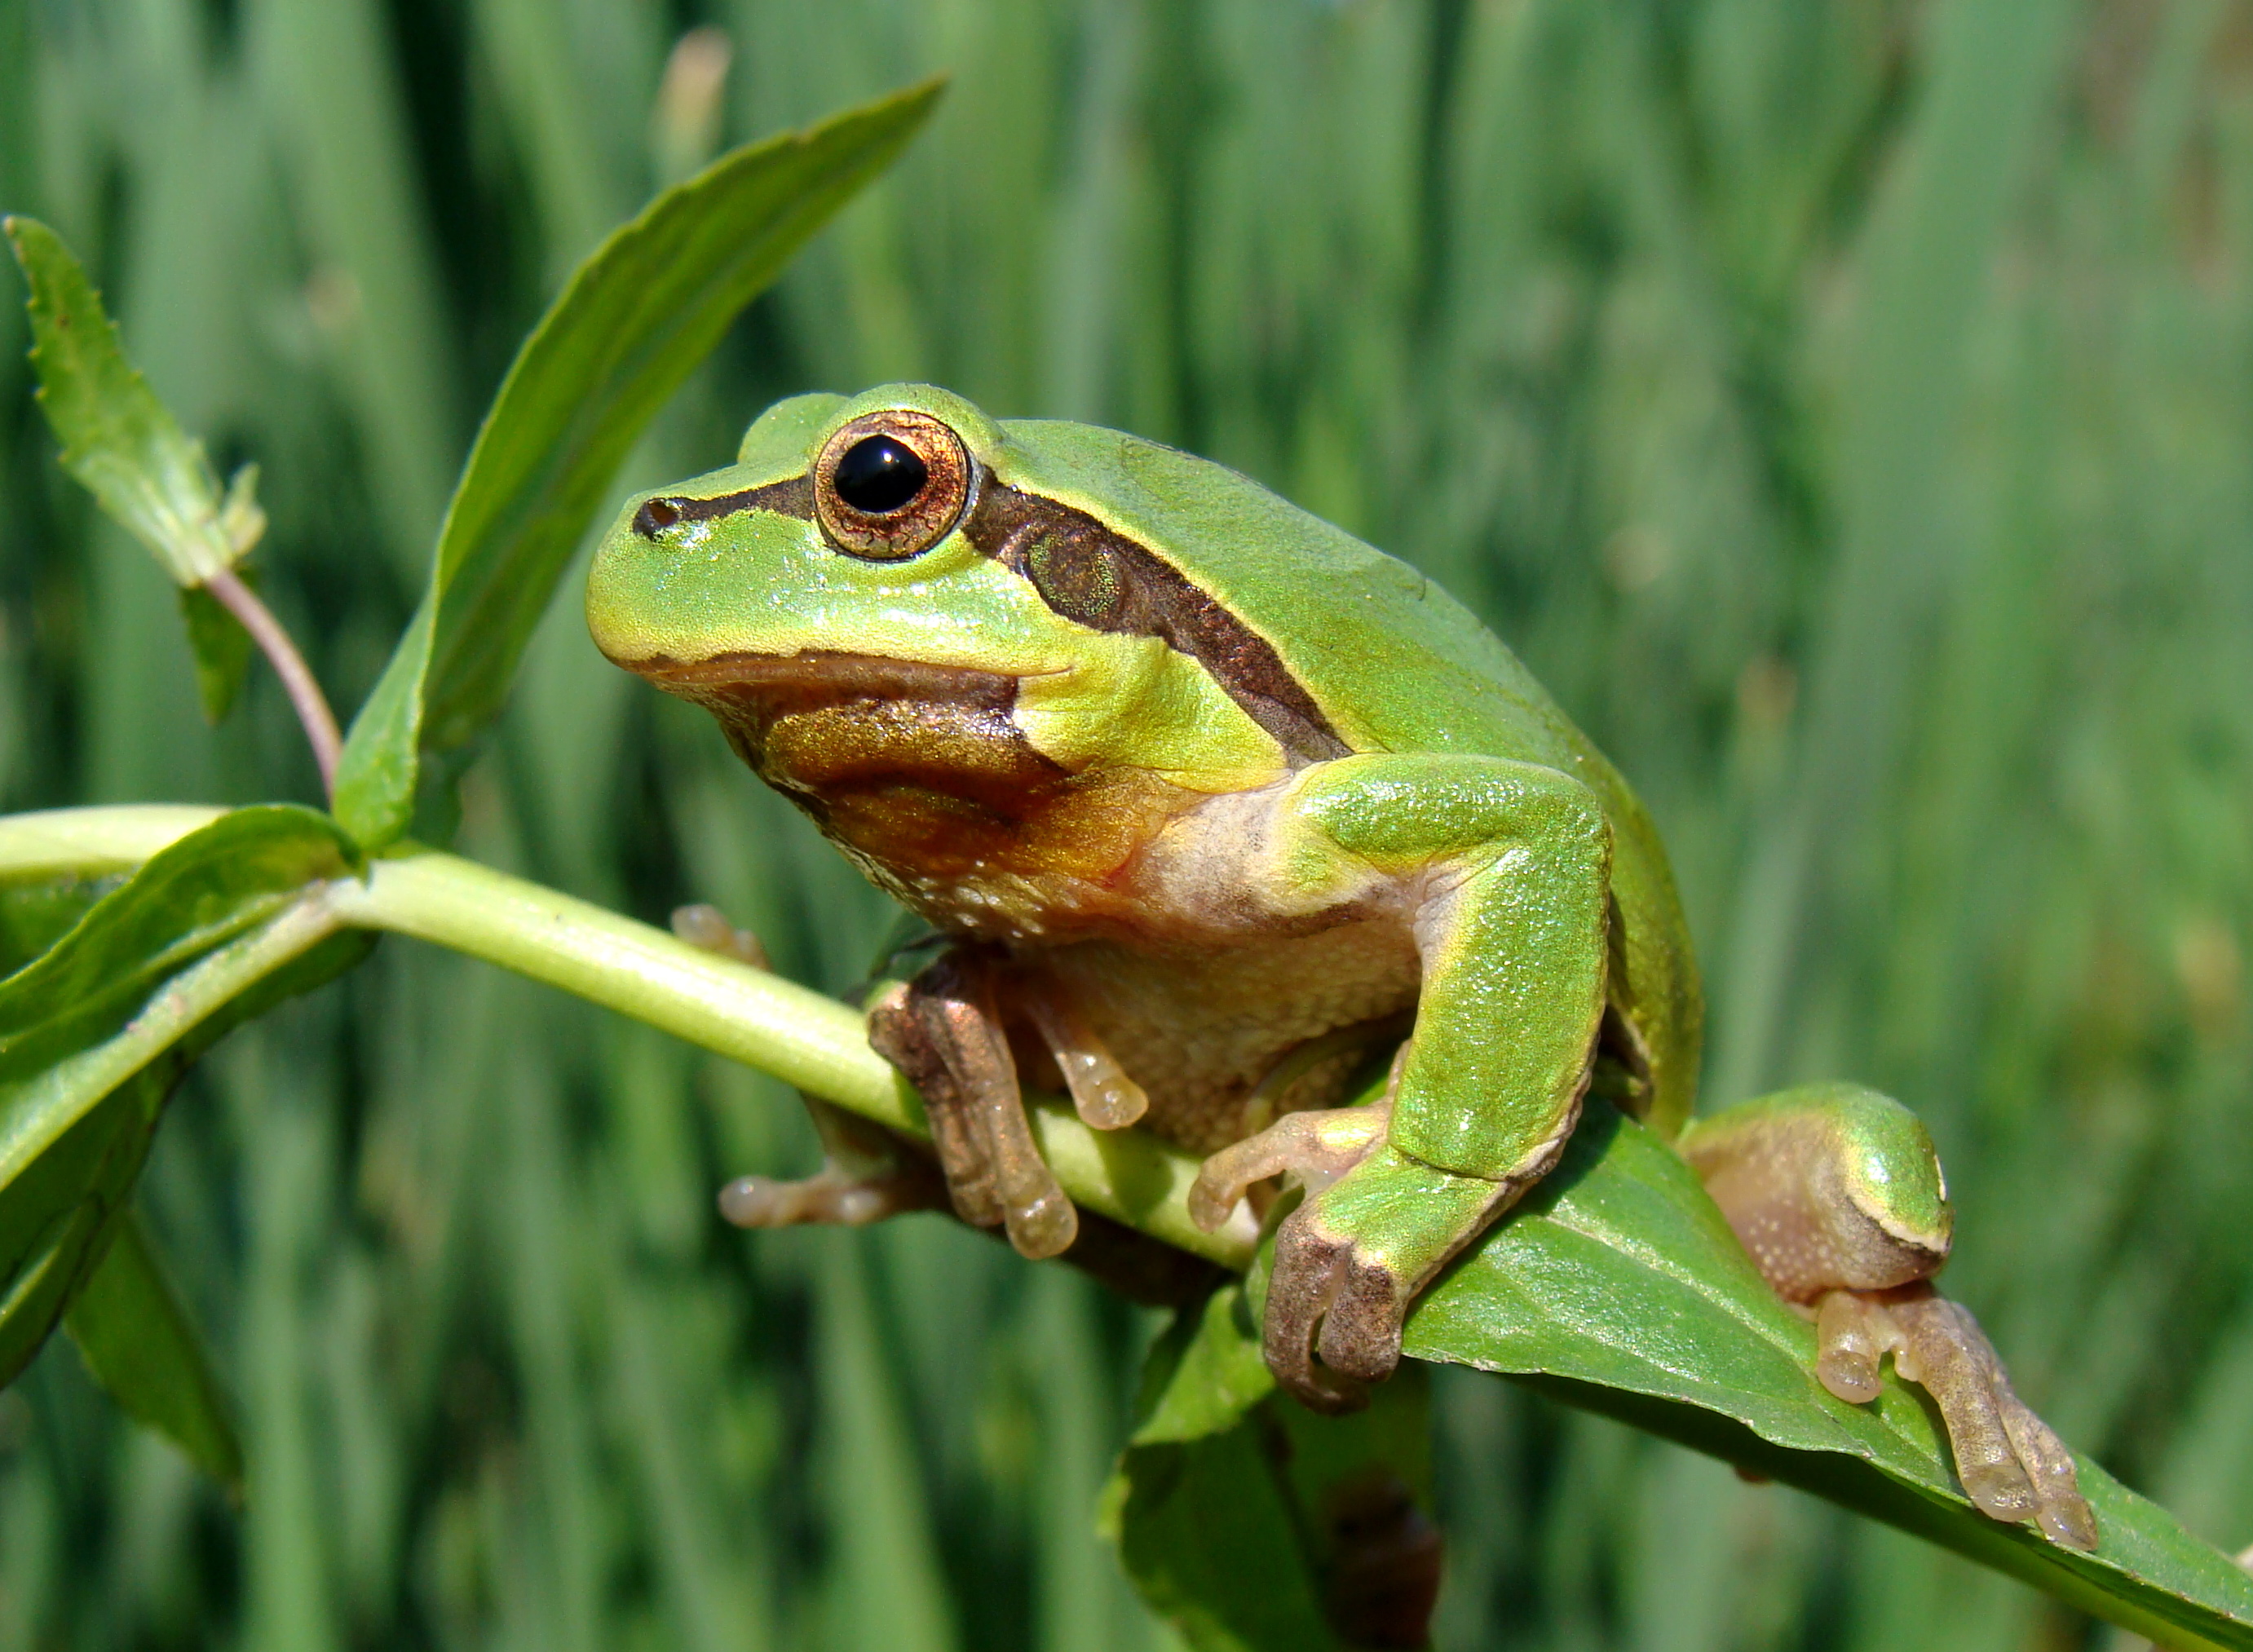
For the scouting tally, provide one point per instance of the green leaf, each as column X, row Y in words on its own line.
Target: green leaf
column 117, row 439
column 136, row 1339
column 59, row 1214
column 125, row 448
column 1617, row 1286
column 118, row 971
column 1253, row 1525
column 36, row 912
column 632, row 322
column 1204, row 1374
column 95, row 1032
column 221, row 648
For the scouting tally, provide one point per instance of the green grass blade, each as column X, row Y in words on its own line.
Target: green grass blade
column 886, row 1587
column 636, row 318
column 135, row 1336
column 327, row 80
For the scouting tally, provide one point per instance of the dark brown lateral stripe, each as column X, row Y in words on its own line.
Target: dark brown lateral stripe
column 1099, row 577
column 792, row 497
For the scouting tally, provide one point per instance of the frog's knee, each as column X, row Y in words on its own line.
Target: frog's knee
column 1829, row 1186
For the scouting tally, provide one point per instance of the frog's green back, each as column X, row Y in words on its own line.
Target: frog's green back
column 1395, row 663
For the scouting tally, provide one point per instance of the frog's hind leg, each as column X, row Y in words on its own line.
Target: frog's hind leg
column 1836, row 1192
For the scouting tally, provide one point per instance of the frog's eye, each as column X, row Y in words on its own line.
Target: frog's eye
column 891, row 484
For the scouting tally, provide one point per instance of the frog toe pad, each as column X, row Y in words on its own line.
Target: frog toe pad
column 835, row 1197
column 2013, row 1466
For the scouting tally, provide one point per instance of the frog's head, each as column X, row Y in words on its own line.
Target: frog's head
column 894, row 603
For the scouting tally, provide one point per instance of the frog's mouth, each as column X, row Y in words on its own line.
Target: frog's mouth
column 776, row 686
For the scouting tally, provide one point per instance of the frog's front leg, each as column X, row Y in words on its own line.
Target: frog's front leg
column 944, row 1030
column 1501, row 871
column 1836, row 1192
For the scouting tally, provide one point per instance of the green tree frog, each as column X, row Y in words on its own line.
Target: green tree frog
column 1211, row 798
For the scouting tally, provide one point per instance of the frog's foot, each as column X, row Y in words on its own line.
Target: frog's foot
column 2012, row 1464
column 944, row 1030
column 866, row 1174
column 1838, row 1195
column 836, row 1197
column 1322, row 1293
column 708, row 927
column 1310, row 1149
column 1352, row 1257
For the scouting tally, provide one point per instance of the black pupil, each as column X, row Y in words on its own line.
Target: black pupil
column 879, row 475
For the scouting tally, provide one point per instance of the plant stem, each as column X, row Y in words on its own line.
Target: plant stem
column 759, row 1019
column 746, row 1015
column 94, row 842
column 320, row 724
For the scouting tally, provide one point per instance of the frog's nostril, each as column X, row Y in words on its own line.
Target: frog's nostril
column 655, row 517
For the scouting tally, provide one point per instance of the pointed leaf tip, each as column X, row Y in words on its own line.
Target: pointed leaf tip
column 139, row 1342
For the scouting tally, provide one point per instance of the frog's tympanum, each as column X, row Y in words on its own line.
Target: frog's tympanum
column 1211, row 799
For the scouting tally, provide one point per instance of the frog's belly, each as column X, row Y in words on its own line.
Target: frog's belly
column 1199, row 1030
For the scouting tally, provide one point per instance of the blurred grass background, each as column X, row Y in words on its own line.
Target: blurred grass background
column 1847, row 408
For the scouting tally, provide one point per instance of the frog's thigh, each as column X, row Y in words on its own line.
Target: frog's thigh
column 1836, row 1193
column 1504, row 869
column 1507, row 868
column 1830, row 1186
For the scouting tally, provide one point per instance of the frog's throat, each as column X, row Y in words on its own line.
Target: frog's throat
column 919, row 771
column 819, row 723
